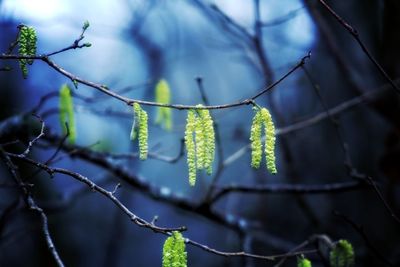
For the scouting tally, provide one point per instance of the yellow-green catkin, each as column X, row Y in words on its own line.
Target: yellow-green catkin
column 174, row 251
column 140, row 130
column 255, row 138
column 27, row 47
column 303, row 262
column 261, row 119
column 163, row 96
column 190, row 146
column 269, row 130
column 200, row 142
column 342, row 255
column 209, row 139
column 66, row 110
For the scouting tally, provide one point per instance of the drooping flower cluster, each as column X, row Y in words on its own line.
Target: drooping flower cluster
column 342, row 255
column 174, row 254
column 140, row 129
column 200, row 142
column 261, row 119
column 27, row 47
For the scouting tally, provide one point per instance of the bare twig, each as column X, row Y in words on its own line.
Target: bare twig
column 74, row 45
column 130, row 102
column 32, row 142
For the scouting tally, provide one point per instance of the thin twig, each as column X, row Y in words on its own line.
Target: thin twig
column 130, row 102
column 33, row 141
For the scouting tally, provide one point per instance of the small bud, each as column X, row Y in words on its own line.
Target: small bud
column 85, row 25
column 75, row 82
column 87, row 44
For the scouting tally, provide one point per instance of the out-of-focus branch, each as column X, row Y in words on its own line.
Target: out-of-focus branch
column 283, row 19
column 308, row 189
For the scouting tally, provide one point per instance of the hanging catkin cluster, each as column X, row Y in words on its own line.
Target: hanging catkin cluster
column 342, row 255
column 27, row 47
column 66, row 110
column 200, row 142
column 261, row 119
column 163, row 95
column 140, row 129
column 174, row 254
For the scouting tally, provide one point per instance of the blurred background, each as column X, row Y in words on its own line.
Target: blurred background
column 236, row 47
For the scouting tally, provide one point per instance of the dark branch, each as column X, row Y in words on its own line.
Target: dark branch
column 32, row 205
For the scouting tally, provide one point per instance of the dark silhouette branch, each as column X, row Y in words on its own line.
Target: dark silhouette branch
column 32, row 204
column 93, row 186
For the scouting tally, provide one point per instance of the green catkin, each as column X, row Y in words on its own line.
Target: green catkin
column 201, row 152
column 66, row 110
column 255, row 138
column 209, row 139
column 269, row 129
column 260, row 119
column 143, row 135
column 140, row 130
column 342, row 255
column 190, row 146
column 200, row 142
column 174, row 254
column 27, row 46
column 164, row 114
column 303, row 262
